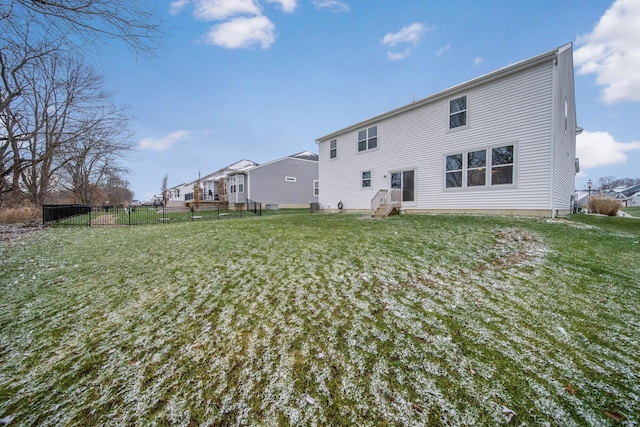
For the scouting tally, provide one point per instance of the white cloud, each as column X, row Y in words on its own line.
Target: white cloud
column 177, row 6
column 287, row 5
column 243, row 33
column 477, row 60
column 410, row 34
column 332, row 5
column 600, row 149
column 443, row 50
column 212, row 10
column 395, row 56
column 612, row 52
column 164, row 142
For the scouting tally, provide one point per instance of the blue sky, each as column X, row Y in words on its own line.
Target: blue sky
column 262, row 79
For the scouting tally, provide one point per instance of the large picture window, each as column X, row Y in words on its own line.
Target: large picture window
column 470, row 169
column 368, row 138
column 458, row 112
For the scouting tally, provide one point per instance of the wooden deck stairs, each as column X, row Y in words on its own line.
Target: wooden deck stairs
column 386, row 202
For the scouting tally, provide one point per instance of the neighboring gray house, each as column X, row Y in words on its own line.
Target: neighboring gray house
column 504, row 142
column 289, row 182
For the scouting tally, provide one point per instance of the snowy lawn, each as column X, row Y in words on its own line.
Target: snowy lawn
column 321, row 319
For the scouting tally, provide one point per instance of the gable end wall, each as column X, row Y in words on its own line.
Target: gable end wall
column 516, row 109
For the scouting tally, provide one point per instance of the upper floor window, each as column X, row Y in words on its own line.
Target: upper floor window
column 458, row 112
column 366, row 179
column 368, row 138
column 333, row 149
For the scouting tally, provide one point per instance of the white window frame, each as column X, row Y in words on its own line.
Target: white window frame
column 489, row 167
column 475, row 168
column 512, row 164
column 465, row 111
column 461, row 170
column 240, row 183
column 316, row 187
column 333, row 149
column 363, row 179
column 232, row 184
column 367, row 139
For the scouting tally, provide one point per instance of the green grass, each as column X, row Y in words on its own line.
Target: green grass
column 319, row 319
column 633, row 211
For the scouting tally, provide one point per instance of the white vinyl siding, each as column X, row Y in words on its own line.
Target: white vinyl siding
column 564, row 153
column 517, row 107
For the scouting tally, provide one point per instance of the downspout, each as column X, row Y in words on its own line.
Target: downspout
column 247, row 187
column 552, row 145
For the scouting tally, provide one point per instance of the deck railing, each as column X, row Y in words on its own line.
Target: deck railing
column 385, row 201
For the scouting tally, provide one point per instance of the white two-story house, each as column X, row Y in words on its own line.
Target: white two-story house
column 502, row 143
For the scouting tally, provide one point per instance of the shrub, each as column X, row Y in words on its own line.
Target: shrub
column 20, row 214
column 604, row 205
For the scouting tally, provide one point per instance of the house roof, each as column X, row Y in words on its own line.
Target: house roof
column 502, row 72
column 222, row 173
column 630, row 191
column 245, row 165
column 307, row 156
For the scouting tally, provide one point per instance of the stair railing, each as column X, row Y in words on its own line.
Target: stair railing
column 388, row 199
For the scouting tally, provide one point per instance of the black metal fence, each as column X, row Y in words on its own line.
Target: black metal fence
column 115, row 216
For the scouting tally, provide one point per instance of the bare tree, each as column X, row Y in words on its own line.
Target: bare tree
column 116, row 189
column 82, row 23
column 71, row 120
column 91, row 162
column 165, row 192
